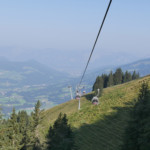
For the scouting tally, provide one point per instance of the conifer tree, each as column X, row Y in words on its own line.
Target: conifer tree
column 138, row 131
column 105, row 80
column 118, row 75
column 14, row 135
column 23, row 121
column 127, row 77
column 110, row 80
column 134, row 75
column 60, row 135
column 29, row 139
column 98, row 84
column 36, row 114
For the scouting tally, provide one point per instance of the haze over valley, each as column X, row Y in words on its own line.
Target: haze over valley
column 23, row 83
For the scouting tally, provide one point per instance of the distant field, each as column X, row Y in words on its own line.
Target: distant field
column 26, row 97
column 97, row 127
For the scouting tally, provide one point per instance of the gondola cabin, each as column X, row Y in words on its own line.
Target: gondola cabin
column 95, row 100
column 77, row 95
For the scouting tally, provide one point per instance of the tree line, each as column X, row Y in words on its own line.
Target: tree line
column 116, row 78
column 19, row 132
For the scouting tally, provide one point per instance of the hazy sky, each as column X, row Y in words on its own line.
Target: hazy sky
column 73, row 25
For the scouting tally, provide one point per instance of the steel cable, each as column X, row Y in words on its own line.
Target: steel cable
column 95, row 42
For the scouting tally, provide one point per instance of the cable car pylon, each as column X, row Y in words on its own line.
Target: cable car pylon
column 70, row 88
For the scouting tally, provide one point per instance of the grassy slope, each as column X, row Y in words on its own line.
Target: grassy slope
column 97, row 127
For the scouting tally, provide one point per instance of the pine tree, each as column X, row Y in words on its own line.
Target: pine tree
column 127, row 77
column 105, row 80
column 134, row 75
column 14, row 135
column 110, row 80
column 29, row 140
column 138, row 131
column 26, row 140
column 98, row 84
column 36, row 114
column 118, row 76
column 60, row 135
column 23, row 121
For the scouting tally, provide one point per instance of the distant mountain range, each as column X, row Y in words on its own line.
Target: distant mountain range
column 141, row 66
column 69, row 61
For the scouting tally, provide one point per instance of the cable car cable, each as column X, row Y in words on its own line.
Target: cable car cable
column 95, row 42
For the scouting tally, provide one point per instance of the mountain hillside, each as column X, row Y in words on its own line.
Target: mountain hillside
column 97, row 127
column 141, row 66
column 23, row 83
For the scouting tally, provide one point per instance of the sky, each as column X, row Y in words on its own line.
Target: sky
column 36, row 26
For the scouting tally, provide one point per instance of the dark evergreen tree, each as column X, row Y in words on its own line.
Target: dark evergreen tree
column 60, row 135
column 98, row 84
column 36, row 114
column 138, row 131
column 127, row 77
column 13, row 131
column 37, row 145
column 23, row 121
column 118, row 76
column 135, row 75
column 26, row 140
column 110, row 80
column 105, row 80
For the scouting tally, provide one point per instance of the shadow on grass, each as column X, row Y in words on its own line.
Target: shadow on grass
column 105, row 134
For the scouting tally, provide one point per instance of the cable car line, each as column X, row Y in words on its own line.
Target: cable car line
column 95, row 42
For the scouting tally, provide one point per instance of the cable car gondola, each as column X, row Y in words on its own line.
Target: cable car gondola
column 77, row 95
column 95, row 100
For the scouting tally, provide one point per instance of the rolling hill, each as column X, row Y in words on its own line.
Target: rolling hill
column 141, row 66
column 97, row 127
column 23, row 83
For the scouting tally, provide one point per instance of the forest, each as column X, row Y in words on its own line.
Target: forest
column 112, row 79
